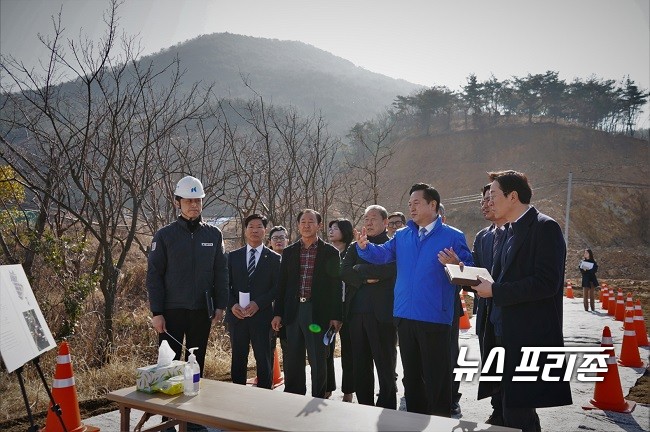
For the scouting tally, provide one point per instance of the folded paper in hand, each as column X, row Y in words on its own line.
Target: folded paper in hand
column 328, row 337
column 467, row 276
column 244, row 299
column 586, row 265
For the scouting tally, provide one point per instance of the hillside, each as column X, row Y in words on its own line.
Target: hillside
column 286, row 72
column 609, row 210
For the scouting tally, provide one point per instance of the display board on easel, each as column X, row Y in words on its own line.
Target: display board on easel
column 24, row 334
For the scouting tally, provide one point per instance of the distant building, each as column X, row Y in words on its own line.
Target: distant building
column 219, row 222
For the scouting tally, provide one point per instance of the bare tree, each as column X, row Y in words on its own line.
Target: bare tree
column 278, row 161
column 98, row 145
column 370, row 153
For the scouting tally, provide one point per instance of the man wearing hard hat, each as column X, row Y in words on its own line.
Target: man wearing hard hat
column 187, row 275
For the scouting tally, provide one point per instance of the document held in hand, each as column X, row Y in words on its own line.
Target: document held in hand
column 585, row 265
column 467, row 275
column 244, row 299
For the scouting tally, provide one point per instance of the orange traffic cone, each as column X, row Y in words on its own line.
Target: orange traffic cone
column 611, row 305
column 605, row 300
column 619, row 314
column 639, row 325
column 629, row 306
column 630, row 350
column 278, row 378
column 463, row 321
column 603, row 289
column 608, row 393
column 569, row 290
column 64, row 393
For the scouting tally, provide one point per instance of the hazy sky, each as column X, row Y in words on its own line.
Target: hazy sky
column 427, row 42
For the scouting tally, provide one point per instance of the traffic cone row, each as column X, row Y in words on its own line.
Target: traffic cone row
column 463, row 321
column 569, row 290
column 64, row 394
column 608, row 393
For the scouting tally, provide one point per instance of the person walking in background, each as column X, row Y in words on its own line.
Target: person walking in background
column 308, row 304
column 253, row 272
column 340, row 234
column 186, row 269
column 588, row 268
column 369, row 316
column 526, row 299
column 424, row 299
column 396, row 220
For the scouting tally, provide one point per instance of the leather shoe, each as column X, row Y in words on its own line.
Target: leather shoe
column 495, row 419
column 455, row 408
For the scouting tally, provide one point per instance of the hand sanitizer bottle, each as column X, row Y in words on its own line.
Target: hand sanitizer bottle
column 192, row 375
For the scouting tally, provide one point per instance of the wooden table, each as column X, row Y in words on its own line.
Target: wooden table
column 236, row 407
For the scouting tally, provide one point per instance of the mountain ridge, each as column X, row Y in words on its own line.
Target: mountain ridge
column 286, row 73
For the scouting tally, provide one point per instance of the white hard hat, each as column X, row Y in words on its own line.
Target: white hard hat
column 189, row 187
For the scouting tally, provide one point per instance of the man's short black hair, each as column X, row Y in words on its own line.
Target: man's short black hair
column 429, row 193
column 276, row 229
column 398, row 214
column 253, row 216
column 319, row 218
column 510, row 180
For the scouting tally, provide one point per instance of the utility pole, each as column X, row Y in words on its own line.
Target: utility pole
column 568, row 210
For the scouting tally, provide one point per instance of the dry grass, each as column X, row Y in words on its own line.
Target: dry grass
column 136, row 345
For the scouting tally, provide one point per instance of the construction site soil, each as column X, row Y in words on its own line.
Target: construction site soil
column 608, row 206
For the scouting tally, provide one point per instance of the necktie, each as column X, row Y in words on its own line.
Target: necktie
column 508, row 244
column 251, row 264
column 499, row 234
column 423, row 232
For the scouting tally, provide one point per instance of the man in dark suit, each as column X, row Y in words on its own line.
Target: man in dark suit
column 254, row 270
column 527, row 299
column 487, row 249
column 369, row 308
column 308, row 304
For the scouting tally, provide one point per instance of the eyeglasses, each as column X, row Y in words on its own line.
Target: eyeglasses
column 278, row 238
column 395, row 224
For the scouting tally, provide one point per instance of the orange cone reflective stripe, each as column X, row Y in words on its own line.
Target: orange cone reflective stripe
column 608, row 393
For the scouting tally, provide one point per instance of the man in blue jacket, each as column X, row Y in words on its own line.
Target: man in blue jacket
column 424, row 299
